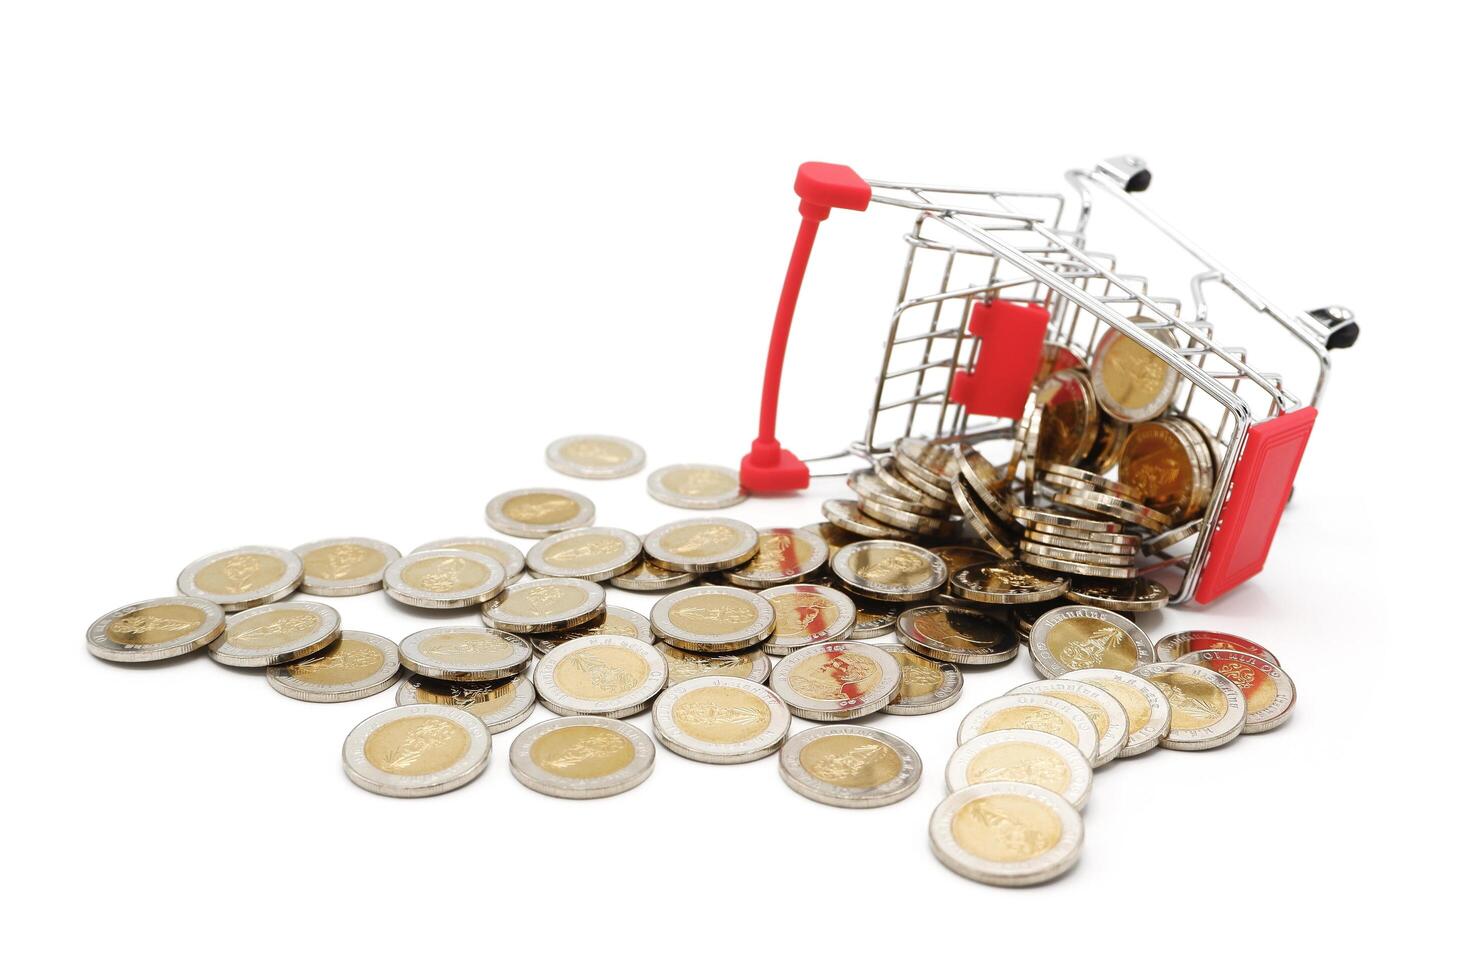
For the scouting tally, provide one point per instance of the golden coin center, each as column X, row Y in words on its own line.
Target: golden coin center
column 540, row 508
column 446, row 573
column 1082, row 643
column 582, row 752
column 699, row 540
column 1034, row 718
column 416, row 746
column 348, row 662
column 722, row 715
column 238, row 574
column 840, row 677
column 337, row 562
column 1019, row 762
column 803, row 614
column 1195, row 703
column 712, row 615
column 277, row 628
column 598, row 673
column 466, row 648
column 851, row 761
column 155, row 624
column 1006, row 828
column 543, row 600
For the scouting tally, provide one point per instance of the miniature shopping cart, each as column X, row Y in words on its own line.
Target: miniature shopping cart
column 992, row 278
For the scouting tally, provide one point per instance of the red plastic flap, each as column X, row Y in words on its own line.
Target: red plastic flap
column 1010, row 349
column 1259, row 490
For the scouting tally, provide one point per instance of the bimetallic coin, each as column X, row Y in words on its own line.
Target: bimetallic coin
column 720, row 720
column 1106, row 712
column 581, row 758
column 1096, row 481
column 1170, row 464
column 1160, row 543
column 1065, row 419
column 592, row 553
column 1087, row 545
column 1034, row 712
column 1129, row 595
column 934, row 460
column 443, row 579
column 243, row 577
column 926, row 686
column 1018, row 755
column 416, row 750
column 615, row 621
column 850, row 766
column 807, row 614
column 344, row 566
column 906, row 520
column 705, row 544
column 1132, row 383
column 1176, row 645
column 785, row 554
column 545, row 605
column 1147, row 709
column 848, row 516
column 888, row 473
column 1085, row 569
column 890, row 571
column 981, row 477
column 958, row 556
column 996, row 538
column 1076, row 555
column 277, row 633
column 645, row 576
column 837, row 681
column 1078, row 637
column 1269, row 693
column 591, row 457
column 358, row 665
column 956, row 635
column 696, row 487
column 508, row 555
column 155, row 630
column 1031, row 516
column 500, row 705
column 684, row 665
column 870, row 489
column 538, row 512
column 608, row 676
column 712, row 619
column 1206, row 710
column 874, row 619
column 464, row 653
column 1000, row 582
column 1007, row 834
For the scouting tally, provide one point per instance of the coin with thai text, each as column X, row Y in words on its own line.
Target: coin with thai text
column 1206, row 710
column 1020, row 755
column 538, row 512
column 703, row 544
column 1036, row 712
column 851, row 766
column 998, row 581
column 752, row 665
column 464, row 653
column 344, row 566
column 1008, row 834
column 1176, row 645
column 720, row 720
column 1269, row 693
column 645, row 576
column 712, row 619
column 545, row 605
column 508, row 555
column 837, row 681
column 614, row 621
column 358, row 665
column 696, row 487
column 157, row 629
column 500, row 705
column 595, row 457
column 416, row 750
column 446, row 579
column 925, row 686
column 956, row 635
column 593, row 553
column 1106, row 712
column 243, row 577
column 890, row 571
column 276, row 633
column 608, row 676
column 784, row 555
column 1078, row 637
column 1147, row 710
column 807, row 614
column 581, row 758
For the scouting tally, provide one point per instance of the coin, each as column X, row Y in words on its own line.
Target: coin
column 870, row 489
column 645, row 576
column 1147, row 710
column 712, row 619
column 608, row 676
column 696, row 487
column 958, row 556
column 276, row 633
column 344, row 566
column 752, row 665
column 1076, row 555
column 1030, row 516
column 1019, row 755
column 592, row 457
column 873, row 618
column 243, row 577
column 925, row 686
column 849, row 516
column 906, row 520
column 464, row 653
column 979, row 520
column 720, row 720
column 592, row 553
column 1132, row 383
column 1106, row 712
column 615, row 621
column 1084, row 479
column 956, row 635
column 705, row 544
column 1205, row 709
column 850, row 766
column 834, row 536
column 416, row 750
column 446, row 579
column 1170, row 464
column 887, row 472
column 538, row 512
column 1001, row 582
column 1058, row 356
column 807, row 614
column 980, row 476
column 1129, row 595
column 1078, row 637
column 1176, row 645
column 890, row 571
column 934, row 461
column 1123, row 510
column 836, row 681
column 1160, row 543
column 1071, row 537
column 155, row 630
column 1269, row 693
column 1079, row 568
column 508, row 555
column 1036, row 712
column 785, row 554
column 581, row 758
column 1109, row 445
column 1007, row 834
column 500, row 705
column 1067, row 418
column 358, row 665
column 1026, row 616
column 545, row 605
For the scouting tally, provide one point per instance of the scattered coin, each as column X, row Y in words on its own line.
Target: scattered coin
column 592, row 553
column 1006, row 834
column 615, row 621
column 276, row 633
column 1269, row 693
column 545, row 605
column 834, row 536
column 1176, row 645
column 848, row 516
column 243, row 577
column 1132, row 383
column 996, row 538
column 1001, row 582
column 956, row 635
column 712, row 619
column 1147, row 709
column 807, row 614
column 581, row 758
column 645, row 576
column 1106, row 712
column 696, row 487
column 850, row 766
column 1066, row 418
column 836, row 681
column 446, row 579
column 890, row 571
column 1205, row 709
column 608, row 676
column 1036, row 712
column 155, row 630
column 500, row 705
column 590, row 457
column 925, row 686
column 1129, row 595
column 508, row 555
column 1078, row 637
column 752, row 665
column 705, row 544
column 1018, row 755
column 538, row 512
column 344, row 566
column 416, row 750
column 720, row 720
column 784, row 555
column 358, row 665
column 464, row 653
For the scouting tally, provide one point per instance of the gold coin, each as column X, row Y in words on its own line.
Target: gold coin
column 1171, row 470
column 581, row 758
column 243, row 577
column 720, row 720
column 358, row 665
column 1022, row 756
column 416, row 750
column 595, row 457
column 890, row 571
column 508, row 555
column 500, row 705
column 592, row 553
column 850, row 766
column 708, row 544
column 344, row 566
column 155, row 630
column 807, row 614
column 956, row 635
column 444, row 579
column 1081, row 637
column 1067, row 418
column 607, row 676
column 712, row 619
column 926, row 686
column 545, row 605
column 836, row 680
column 1034, row 712
column 1133, row 384
column 849, row 516
column 538, row 512
column 1000, row 582
column 645, row 576
column 1006, row 833
column 696, row 487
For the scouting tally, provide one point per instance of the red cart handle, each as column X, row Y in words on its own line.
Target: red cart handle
column 768, row 468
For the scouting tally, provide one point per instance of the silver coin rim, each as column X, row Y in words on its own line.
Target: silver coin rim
column 636, row 460
column 533, row 777
column 675, row 581
column 740, row 576
column 945, row 696
column 1109, row 742
column 361, row 585
column 663, row 495
column 278, row 676
column 846, row 615
column 289, row 581
column 882, row 694
column 1043, row 625
column 1166, row 646
column 1231, row 723
column 1086, row 731
column 520, row 707
column 736, row 555
column 401, row 591
column 1079, row 785
column 873, row 530
column 900, row 787
column 1160, row 716
column 328, row 630
column 595, row 604
column 514, row 568
column 630, row 703
column 626, row 559
column 840, row 564
column 1044, row 867
column 496, row 517
column 415, row 661
column 101, row 646
column 1275, row 714
column 949, row 654
column 756, row 632
column 544, row 643
column 1160, row 402
column 374, row 780
column 680, row 742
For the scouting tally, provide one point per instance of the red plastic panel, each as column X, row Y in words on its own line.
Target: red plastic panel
column 1010, row 349
column 1258, row 494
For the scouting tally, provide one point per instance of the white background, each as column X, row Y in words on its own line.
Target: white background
column 273, row 272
